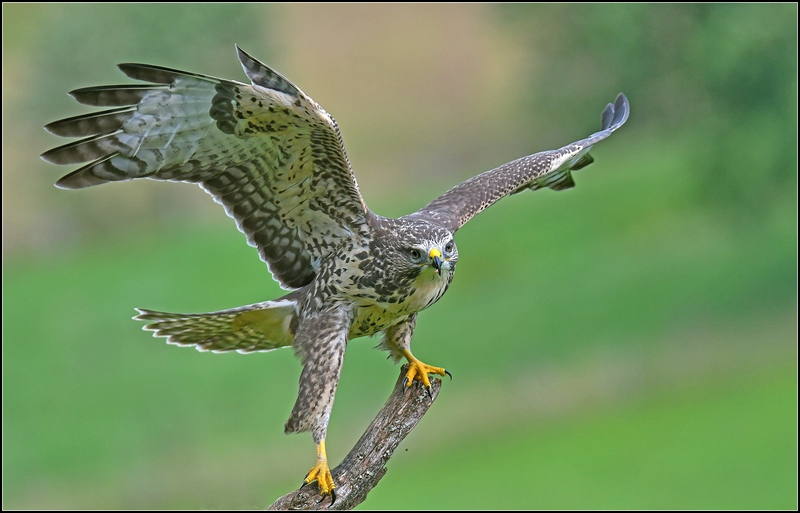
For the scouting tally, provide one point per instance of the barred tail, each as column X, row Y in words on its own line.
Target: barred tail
column 258, row 327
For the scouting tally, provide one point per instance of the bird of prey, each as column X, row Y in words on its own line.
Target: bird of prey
column 276, row 161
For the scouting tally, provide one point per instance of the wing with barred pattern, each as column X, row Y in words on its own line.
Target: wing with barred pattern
column 546, row 169
column 267, row 152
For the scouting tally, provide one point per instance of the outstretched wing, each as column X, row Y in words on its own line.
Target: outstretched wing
column 267, row 152
column 546, row 169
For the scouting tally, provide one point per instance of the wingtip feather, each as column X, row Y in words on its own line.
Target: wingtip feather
column 616, row 114
column 80, row 179
column 262, row 75
column 622, row 110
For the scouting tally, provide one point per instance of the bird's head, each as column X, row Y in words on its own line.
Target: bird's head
column 422, row 247
column 439, row 255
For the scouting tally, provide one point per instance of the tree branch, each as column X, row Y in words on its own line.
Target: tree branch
column 364, row 466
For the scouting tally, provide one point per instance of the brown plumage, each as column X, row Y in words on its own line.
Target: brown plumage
column 275, row 160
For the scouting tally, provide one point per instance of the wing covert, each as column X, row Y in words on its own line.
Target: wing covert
column 545, row 169
column 267, row 152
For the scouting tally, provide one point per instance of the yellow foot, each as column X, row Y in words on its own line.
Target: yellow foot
column 419, row 371
column 321, row 473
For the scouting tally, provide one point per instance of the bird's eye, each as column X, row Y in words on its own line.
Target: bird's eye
column 449, row 247
column 415, row 254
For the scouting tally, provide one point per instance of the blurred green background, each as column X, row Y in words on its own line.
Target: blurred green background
column 631, row 343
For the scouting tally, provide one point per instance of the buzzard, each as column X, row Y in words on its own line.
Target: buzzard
column 276, row 161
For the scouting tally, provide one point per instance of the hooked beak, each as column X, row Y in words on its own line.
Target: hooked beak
column 438, row 262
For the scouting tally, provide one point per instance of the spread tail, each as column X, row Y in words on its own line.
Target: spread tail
column 258, row 327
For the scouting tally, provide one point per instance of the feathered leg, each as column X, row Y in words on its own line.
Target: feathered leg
column 320, row 342
column 397, row 340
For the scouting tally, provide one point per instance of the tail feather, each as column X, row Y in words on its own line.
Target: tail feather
column 259, row 327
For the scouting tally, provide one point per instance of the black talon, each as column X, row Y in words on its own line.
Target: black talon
column 405, row 385
column 323, row 497
column 333, row 496
column 451, row 376
column 302, row 485
column 430, row 392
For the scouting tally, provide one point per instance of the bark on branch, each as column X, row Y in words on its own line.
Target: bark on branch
column 364, row 466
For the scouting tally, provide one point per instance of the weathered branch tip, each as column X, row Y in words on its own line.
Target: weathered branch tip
column 365, row 465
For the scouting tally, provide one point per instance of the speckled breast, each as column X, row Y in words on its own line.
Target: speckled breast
column 373, row 317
